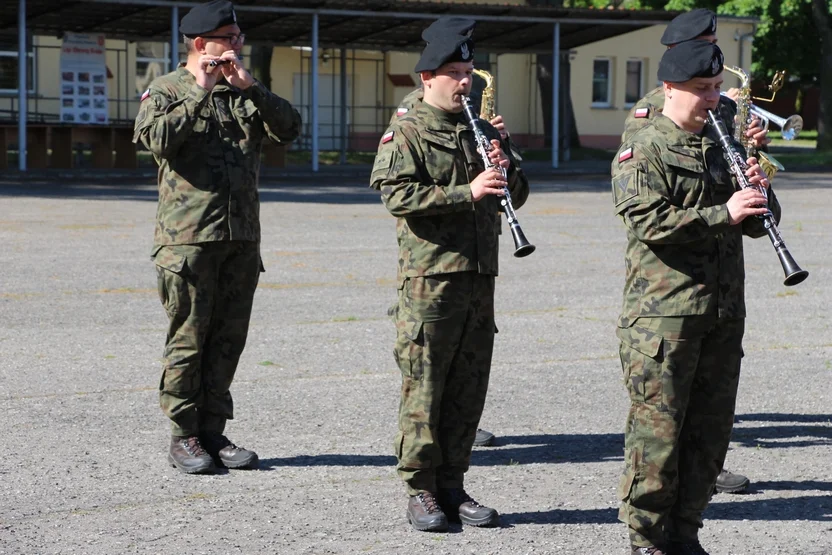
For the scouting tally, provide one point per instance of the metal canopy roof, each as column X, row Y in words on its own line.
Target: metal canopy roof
column 363, row 24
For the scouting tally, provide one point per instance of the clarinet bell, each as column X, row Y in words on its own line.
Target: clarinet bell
column 522, row 247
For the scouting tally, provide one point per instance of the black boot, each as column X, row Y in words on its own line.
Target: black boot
column 226, row 453
column 425, row 515
column 187, row 455
column 460, row 507
column 652, row 550
column 687, row 548
column 484, row 438
column 728, row 482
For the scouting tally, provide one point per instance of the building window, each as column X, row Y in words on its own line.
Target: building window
column 152, row 61
column 633, row 91
column 601, row 83
column 9, row 64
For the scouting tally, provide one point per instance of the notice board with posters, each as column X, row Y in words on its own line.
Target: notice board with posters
column 84, row 79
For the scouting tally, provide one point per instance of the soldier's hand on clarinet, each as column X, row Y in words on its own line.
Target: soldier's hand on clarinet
column 500, row 126
column 496, row 155
column 489, row 182
column 756, row 175
column 744, row 203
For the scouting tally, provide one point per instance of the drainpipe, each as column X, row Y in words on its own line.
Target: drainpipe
column 741, row 39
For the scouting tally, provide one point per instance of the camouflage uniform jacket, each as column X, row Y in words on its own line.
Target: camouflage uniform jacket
column 653, row 102
column 670, row 188
column 425, row 163
column 207, row 145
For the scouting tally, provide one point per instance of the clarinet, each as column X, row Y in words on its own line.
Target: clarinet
column 522, row 247
column 738, row 166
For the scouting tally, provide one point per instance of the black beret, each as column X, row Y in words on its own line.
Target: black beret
column 207, row 17
column 454, row 25
column 690, row 25
column 448, row 40
column 694, row 58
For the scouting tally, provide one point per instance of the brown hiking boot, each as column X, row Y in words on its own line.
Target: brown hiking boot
column 425, row 515
column 226, row 453
column 460, row 507
column 187, row 455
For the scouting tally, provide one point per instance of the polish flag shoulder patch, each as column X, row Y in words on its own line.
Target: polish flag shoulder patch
column 145, row 95
column 642, row 112
column 387, row 137
column 401, row 111
column 625, row 155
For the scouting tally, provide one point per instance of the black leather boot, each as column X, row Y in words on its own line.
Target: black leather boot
column 187, row 455
column 728, row 482
column 484, row 438
column 460, row 507
column 226, row 453
column 425, row 515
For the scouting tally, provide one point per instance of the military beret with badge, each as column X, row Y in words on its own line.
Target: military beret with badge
column 696, row 58
column 208, row 17
column 448, row 40
column 690, row 25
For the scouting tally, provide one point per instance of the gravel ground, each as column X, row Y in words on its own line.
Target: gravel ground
column 316, row 394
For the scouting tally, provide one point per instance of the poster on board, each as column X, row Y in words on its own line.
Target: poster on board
column 83, row 79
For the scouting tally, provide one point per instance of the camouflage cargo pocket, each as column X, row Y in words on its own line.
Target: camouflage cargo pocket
column 625, row 482
column 172, row 287
column 642, row 364
column 409, row 346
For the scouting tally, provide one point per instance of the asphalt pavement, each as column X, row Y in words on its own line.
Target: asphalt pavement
column 84, row 468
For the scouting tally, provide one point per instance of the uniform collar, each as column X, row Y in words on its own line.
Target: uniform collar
column 675, row 134
column 441, row 117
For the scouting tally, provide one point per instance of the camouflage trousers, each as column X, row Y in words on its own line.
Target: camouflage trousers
column 682, row 376
column 207, row 290
column 445, row 334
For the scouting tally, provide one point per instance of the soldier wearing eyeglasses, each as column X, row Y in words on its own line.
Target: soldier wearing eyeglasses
column 205, row 124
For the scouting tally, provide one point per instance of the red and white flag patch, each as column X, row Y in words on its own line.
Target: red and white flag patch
column 387, row 137
column 625, row 155
column 401, row 111
column 145, row 94
column 641, row 112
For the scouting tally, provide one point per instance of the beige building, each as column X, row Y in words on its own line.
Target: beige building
column 606, row 78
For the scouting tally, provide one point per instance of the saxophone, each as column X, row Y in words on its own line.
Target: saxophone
column 488, row 104
column 767, row 162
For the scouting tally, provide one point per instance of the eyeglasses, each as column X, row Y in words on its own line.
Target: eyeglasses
column 233, row 40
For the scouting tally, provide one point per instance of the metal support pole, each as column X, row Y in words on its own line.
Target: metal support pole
column 556, row 96
column 174, row 37
column 313, row 63
column 22, row 82
column 343, row 78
